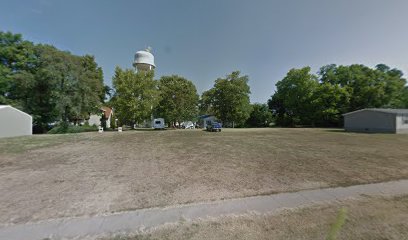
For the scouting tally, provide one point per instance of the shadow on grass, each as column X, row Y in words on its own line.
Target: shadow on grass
column 340, row 130
column 144, row 129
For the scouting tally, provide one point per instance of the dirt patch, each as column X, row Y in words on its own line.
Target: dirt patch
column 86, row 174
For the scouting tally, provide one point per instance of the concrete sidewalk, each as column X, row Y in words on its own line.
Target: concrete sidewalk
column 132, row 221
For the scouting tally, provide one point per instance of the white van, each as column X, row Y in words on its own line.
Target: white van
column 158, row 123
column 188, row 125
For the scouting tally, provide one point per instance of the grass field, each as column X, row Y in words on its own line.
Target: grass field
column 366, row 219
column 54, row 176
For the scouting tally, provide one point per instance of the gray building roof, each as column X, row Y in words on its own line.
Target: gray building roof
column 383, row 110
column 15, row 109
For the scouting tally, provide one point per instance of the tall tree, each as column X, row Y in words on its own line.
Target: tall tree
column 17, row 65
column 303, row 98
column 178, row 99
column 92, row 90
column 74, row 84
column 292, row 102
column 206, row 104
column 260, row 116
column 229, row 99
column 379, row 87
column 329, row 103
column 404, row 98
column 135, row 96
column 47, row 83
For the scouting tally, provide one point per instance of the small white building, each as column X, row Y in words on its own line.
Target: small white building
column 379, row 120
column 95, row 119
column 14, row 122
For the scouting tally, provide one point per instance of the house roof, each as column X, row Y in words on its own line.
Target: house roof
column 383, row 110
column 107, row 111
column 5, row 106
column 15, row 109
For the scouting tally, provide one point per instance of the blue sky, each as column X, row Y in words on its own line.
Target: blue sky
column 203, row 40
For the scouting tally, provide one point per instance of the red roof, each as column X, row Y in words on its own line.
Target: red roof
column 107, row 111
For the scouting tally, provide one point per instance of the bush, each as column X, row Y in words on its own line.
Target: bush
column 66, row 128
column 113, row 123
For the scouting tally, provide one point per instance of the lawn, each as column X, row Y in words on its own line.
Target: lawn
column 55, row 176
column 366, row 219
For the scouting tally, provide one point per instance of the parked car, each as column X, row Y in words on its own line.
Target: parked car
column 214, row 127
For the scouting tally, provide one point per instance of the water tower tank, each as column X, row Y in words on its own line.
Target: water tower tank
column 144, row 60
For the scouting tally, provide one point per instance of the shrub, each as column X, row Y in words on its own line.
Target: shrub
column 113, row 123
column 66, row 128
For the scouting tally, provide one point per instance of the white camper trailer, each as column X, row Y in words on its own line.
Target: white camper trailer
column 158, row 123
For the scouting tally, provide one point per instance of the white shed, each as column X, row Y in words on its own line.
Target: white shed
column 14, row 122
column 383, row 120
column 95, row 119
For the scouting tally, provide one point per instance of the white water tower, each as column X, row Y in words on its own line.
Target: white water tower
column 144, row 60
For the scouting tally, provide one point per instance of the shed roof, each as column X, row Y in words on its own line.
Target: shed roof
column 383, row 110
column 107, row 111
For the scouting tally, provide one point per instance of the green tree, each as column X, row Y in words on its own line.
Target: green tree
column 135, row 96
column 92, row 91
column 61, row 71
column 329, row 103
column 178, row 99
column 74, row 84
column 394, row 87
column 292, row 102
column 47, row 83
column 260, row 116
column 205, row 104
column 17, row 65
column 229, row 99
column 304, row 99
column 404, row 98
column 379, row 87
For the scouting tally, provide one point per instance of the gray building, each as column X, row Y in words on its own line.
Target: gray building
column 205, row 120
column 381, row 120
column 14, row 122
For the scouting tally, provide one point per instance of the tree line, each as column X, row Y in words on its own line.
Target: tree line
column 307, row 99
column 57, row 86
column 49, row 84
column 301, row 97
column 138, row 96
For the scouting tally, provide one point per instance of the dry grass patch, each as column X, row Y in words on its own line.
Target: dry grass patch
column 366, row 219
column 90, row 173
